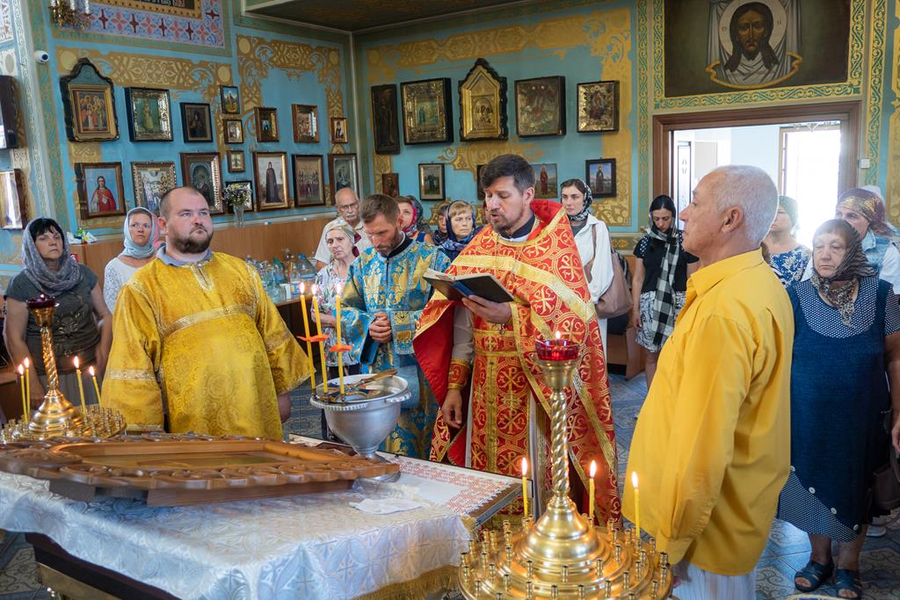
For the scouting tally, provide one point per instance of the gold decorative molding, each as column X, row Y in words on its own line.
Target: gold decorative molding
column 467, row 157
column 607, row 33
column 892, row 187
column 611, row 40
column 257, row 55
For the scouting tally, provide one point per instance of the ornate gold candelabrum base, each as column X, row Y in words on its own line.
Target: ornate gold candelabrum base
column 56, row 415
column 562, row 555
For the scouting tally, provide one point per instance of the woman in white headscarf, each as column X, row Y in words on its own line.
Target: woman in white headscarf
column 140, row 230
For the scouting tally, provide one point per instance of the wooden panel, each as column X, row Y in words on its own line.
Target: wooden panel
column 664, row 127
column 257, row 240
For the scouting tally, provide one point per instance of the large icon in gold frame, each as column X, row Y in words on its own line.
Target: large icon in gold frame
column 88, row 104
column 427, row 111
column 482, row 104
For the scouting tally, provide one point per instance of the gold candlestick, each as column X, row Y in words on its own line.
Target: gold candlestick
column 562, row 554
column 56, row 414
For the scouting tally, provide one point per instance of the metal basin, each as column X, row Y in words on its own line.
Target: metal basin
column 363, row 421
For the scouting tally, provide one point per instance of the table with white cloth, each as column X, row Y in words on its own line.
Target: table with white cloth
column 305, row 546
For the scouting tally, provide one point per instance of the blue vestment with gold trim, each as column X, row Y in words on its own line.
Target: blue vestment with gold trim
column 395, row 286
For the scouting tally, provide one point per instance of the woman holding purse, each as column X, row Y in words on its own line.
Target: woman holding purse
column 592, row 239
column 660, row 279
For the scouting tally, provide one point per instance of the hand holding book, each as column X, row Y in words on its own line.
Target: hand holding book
column 483, row 285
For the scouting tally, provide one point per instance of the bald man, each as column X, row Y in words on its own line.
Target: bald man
column 196, row 338
column 712, row 444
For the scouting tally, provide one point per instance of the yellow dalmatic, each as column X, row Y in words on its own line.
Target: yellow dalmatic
column 206, row 340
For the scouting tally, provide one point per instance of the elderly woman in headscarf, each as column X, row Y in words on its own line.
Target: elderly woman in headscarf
column 787, row 257
column 140, row 231
column 82, row 325
column 330, row 280
column 592, row 239
column 460, row 229
column 443, row 225
column 411, row 220
column 864, row 210
column 845, row 376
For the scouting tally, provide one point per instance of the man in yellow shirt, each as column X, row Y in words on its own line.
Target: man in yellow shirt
column 194, row 333
column 712, row 445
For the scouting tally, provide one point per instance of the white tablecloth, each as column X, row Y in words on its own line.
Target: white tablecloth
column 313, row 546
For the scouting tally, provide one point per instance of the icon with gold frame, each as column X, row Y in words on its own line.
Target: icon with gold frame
column 100, row 189
column 306, row 123
column 203, row 172
column 541, row 106
column 598, row 106
column 427, row 111
column 482, row 104
column 267, row 124
column 236, row 161
column 88, row 104
column 270, row 172
column 234, row 131
column 151, row 181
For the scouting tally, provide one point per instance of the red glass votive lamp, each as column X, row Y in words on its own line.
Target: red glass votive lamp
column 40, row 301
column 556, row 350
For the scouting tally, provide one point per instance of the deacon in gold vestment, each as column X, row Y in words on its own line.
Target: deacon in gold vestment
column 194, row 331
column 530, row 249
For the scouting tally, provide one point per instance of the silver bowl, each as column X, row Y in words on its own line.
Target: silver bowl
column 363, row 420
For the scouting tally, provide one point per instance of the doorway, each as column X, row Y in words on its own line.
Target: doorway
column 809, row 151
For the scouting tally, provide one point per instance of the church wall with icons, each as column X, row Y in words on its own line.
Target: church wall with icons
column 186, row 86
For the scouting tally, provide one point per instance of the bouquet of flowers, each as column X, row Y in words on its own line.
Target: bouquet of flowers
column 237, row 196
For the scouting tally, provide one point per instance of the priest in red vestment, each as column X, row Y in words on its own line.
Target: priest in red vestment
column 530, row 249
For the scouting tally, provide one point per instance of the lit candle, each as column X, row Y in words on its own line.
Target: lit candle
column 24, row 401
column 557, row 349
column 340, row 355
column 315, row 295
column 591, row 492
column 637, row 506
column 72, row 4
column 525, row 487
column 94, row 379
column 87, row 7
column 309, row 357
column 27, row 387
column 80, row 386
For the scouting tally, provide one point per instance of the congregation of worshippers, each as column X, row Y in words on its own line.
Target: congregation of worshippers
column 771, row 366
column 701, row 196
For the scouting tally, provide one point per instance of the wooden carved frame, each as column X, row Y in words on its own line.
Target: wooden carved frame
column 85, row 78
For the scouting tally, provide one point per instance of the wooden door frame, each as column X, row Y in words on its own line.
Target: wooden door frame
column 665, row 126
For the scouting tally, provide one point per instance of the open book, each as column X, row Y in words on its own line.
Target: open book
column 454, row 287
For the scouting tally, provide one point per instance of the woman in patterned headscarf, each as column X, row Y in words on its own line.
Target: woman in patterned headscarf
column 82, row 324
column 411, row 220
column 864, row 211
column 846, row 357
column 788, row 256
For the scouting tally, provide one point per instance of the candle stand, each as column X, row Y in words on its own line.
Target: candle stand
column 562, row 555
column 56, row 415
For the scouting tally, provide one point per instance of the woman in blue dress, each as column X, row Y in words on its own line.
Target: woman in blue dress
column 788, row 256
column 846, row 353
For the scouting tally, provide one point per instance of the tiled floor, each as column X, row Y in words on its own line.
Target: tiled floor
column 787, row 550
